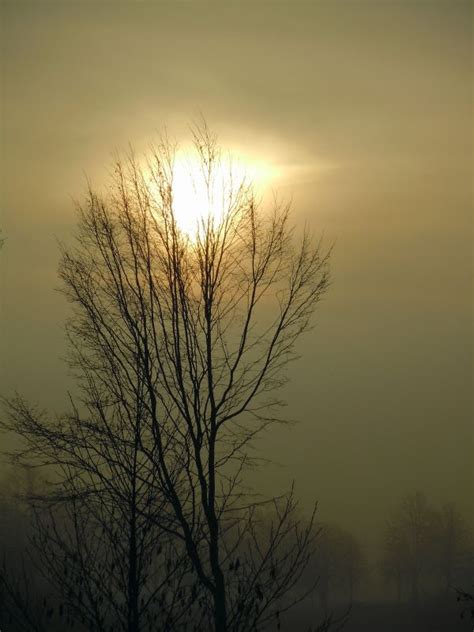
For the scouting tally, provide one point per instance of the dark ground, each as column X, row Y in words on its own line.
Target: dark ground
column 440, row 616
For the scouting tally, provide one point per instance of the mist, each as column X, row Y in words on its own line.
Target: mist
column 362, row 112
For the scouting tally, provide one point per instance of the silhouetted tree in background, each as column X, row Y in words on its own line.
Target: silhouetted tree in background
column 341, row 564
column 393, row 563
column 425, row 546
column 452, row 543
column 337, row 567
column 415, row 522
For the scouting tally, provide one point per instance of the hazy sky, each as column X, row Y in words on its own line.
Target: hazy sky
column 364, row 111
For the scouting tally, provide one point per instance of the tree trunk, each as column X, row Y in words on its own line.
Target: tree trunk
column 220, row 609
column 132, row 588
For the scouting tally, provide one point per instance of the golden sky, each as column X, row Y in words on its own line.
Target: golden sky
column 363, row 110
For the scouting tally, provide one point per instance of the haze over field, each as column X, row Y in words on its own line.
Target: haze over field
column 362, row 113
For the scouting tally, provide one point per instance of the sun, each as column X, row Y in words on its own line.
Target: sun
column 198, row 196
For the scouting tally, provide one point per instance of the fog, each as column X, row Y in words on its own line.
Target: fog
column 363, row 110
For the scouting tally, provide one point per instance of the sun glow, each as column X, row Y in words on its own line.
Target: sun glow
column 198, row 197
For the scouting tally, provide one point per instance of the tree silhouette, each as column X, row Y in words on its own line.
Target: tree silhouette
column 96, row 535
column 452, row 543
column 393, row 563
column 410, row 540
column 338, row 565
column 425, row 545
column 180, row 344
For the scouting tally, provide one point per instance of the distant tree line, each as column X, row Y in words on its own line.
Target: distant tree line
column 426, row 552
column 426, row 549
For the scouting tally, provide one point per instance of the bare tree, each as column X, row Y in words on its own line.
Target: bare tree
column 338, row 565
column 425, row 546
column 393, row 562
column 22, row 589
column 181, row 343
column 96, row 536
column 417, row 522
column 452, row 544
